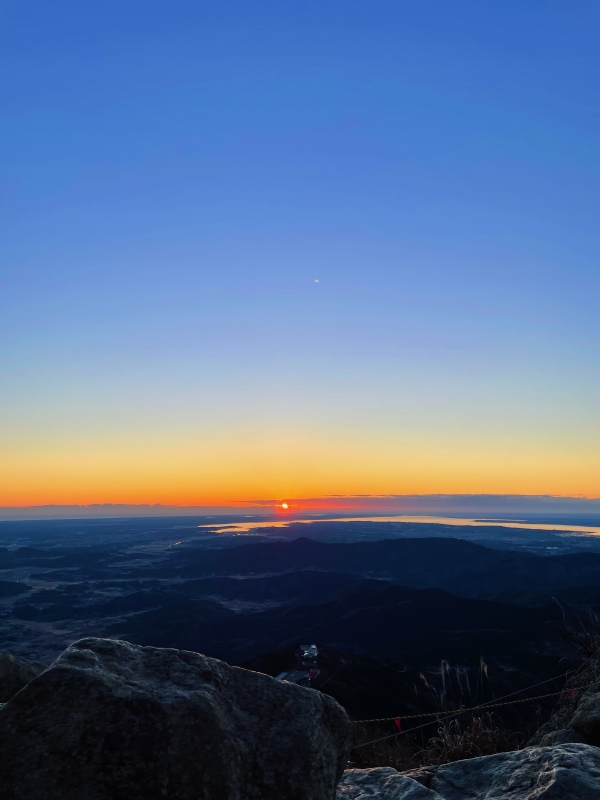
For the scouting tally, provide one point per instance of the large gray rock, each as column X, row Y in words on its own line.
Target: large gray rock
column 15, row 673
column 381, row 783
column 563, row 772
column 566, row 772
column 110, row 720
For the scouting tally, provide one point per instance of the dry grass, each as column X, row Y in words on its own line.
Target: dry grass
column 581, row 630
column 464, row 736
column 455, row 740
column 391, row 752
column 482, row 736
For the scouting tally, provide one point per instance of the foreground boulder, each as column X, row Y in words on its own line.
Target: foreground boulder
column 109, row 720
column 564, row 772
column 15, row 673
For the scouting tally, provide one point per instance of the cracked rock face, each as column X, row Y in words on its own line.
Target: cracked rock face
column 564, row 772
column 109, row 720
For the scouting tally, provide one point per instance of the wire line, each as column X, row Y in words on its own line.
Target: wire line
column 450, row 714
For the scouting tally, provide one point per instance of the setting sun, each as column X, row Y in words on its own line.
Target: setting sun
column 284, row 505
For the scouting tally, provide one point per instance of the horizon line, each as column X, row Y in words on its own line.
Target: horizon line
column 464, row 504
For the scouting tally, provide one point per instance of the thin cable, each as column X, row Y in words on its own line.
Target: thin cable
column 473, row 708
column 464, row 710
column 535, row 685
column 451, row 715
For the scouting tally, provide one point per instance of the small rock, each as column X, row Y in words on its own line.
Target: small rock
column 109, row 720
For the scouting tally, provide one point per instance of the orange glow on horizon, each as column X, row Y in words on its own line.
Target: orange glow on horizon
column 234, row 468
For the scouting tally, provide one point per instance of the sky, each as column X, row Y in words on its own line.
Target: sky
column 256, row 250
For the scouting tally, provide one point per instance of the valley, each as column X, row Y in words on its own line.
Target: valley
column 395, row 608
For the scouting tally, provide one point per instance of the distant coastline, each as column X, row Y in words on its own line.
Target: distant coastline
column 529, row 508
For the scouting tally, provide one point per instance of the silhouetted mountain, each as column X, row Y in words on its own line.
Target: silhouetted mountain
column 373, row 617
column 401, row 560
column 307, row 585
column 242, row 601
column 12, row 588
column 453, row 564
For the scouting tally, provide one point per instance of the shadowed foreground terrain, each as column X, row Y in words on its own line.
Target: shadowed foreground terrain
column 114, row 721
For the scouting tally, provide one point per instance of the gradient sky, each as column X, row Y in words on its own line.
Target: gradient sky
column 176, row 178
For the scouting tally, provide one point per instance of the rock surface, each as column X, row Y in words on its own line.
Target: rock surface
column 381, row 783
column 109, row 720
column 576, row 717
column 15, row 673
column 564, row 772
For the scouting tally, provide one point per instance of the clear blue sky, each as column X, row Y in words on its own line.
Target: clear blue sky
column 176, row 178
